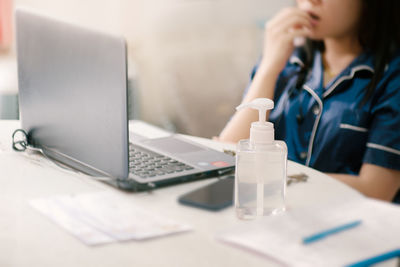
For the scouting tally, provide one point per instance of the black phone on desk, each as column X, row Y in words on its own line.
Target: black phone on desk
column 215, row 196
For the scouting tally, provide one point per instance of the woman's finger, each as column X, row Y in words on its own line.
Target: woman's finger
column 286, row 14
column 296, row 22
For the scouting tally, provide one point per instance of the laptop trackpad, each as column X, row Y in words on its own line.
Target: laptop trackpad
column 171, row 145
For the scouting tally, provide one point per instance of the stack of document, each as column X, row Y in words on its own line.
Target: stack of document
column 337, row 234
column 99, row 218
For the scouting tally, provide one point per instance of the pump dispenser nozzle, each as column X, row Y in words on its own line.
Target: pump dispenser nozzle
column 262, row 104
column 261, row 132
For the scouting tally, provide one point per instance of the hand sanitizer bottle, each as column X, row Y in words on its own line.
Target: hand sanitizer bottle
column 260, row 179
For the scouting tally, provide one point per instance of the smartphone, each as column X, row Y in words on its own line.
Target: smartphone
column 215, row 196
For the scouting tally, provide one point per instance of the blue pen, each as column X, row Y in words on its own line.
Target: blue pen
column 376, row 259
column 325, row 233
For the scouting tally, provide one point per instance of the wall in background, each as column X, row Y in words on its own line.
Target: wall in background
column 193, row 58
column 189, row 59
column 104, row 15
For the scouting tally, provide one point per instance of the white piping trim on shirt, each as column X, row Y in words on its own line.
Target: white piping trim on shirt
column 314, row 130
column 352, row 127
column 347, row 77
column 294, row 59
column 384, row 148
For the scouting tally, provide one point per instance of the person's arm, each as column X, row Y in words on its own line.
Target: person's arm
column 279, row 35
column 373, row 181
column 262, row 87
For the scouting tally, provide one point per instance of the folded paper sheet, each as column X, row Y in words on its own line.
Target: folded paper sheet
column 98, row 218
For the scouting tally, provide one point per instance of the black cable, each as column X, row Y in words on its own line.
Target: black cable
column 20, row 144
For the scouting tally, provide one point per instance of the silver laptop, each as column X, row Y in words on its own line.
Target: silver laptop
column 73, row 104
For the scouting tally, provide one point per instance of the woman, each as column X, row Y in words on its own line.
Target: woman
column 336, row 97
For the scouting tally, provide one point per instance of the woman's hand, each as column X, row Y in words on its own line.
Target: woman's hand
column 278, row 46
column 280, row 33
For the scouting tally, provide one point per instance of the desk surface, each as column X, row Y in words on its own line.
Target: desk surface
column 29, row 239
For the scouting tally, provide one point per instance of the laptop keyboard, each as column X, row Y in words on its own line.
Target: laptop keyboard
column 146, row 164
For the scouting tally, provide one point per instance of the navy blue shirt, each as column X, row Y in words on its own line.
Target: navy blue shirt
column 337, row 132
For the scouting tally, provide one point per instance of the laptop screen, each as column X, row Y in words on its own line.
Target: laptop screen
column 73, row 93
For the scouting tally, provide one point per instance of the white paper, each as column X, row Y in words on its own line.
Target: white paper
column 281, row 237
column 66, row 220
column 97, row 218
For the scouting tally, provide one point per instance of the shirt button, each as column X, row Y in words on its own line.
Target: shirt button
column 303, row 155
column 316, row 110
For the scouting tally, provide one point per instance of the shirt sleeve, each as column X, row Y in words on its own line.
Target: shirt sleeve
column 383, row 146
column 283, row 78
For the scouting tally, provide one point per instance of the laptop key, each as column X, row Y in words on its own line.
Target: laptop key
column 149, row 164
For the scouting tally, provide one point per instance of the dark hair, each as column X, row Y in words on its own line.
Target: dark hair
column 379, row 32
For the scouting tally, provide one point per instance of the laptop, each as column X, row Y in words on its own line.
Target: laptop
column 73, row 105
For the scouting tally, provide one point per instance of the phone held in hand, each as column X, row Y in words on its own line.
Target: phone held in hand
column 215, row 196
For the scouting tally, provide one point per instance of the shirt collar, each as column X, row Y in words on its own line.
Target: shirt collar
column 364, row 62
column 315, row 78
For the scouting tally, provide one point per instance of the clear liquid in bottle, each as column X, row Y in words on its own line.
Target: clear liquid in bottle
column 260, row 180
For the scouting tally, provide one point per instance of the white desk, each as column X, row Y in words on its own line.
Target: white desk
column 29, row 239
